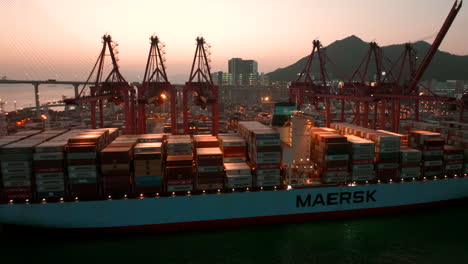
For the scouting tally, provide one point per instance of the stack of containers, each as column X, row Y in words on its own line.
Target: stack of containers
column 432, row 147
column 403, row 138
column 264, row 148
column 179, row 164
column 410, row 163
column 179, row 173
column 205, row 141
column 387, row 154
column 49, row 169
column 3, row 142
column 82, row 165
column 234, row 149
column 150, row 138
column 116, row 173
column 453, row 160
column 458, row 138
column 148, row 167
column 17, row 169
column 238, row 175
column 362, row 159
column 330, row 153
column 209, row 166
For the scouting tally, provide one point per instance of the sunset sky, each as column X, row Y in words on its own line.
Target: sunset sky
column 61, row 39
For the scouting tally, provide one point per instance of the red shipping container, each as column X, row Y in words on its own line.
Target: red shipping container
column 454, row 162
column 430, row 158
column 208, row 163
column 361, row 162
column 179, row 172
column 116, row 155
column 79, row 162
column 235, row 149
column 13, row 193
column 210, row 175
column 45, row 170
column 234, row 155
column 202, row 180
column 453, row 172
column 84, row 191
column 182, row 160
column 48, row 164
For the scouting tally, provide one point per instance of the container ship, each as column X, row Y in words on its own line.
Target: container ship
column 97, row 179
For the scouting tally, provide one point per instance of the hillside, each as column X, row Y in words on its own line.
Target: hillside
column 348, row 53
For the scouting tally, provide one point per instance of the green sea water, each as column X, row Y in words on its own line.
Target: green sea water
column 432, row 235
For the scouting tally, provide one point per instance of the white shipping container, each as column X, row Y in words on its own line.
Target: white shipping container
column 267, row 160
column 387, row 166
column 210, row 168
column 239, row 178
column 234, row 185
column 82, row 155
column 337, row 157
column 268, row 177
column 268, row 142
column 268, row 172
column 19, row 164
column 268, row 183
column 51, row 188
column 454, row 157
column 454, row 166
column 258, row 155
column 48, row 156
column 362, row 156
column 80, row 175
column 432, row 153
column 82, row 168
column 237, row 169
column 50, row 175
column 16, row 183
column 53, row 182
column 179, row 188
column 362, row 167
column 16, row 170
column 362, row 177
column 16, row 177
column 433, row 163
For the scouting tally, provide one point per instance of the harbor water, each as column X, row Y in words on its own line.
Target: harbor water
column 431, row 235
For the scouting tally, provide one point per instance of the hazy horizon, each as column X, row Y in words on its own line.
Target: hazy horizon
column 61, row 39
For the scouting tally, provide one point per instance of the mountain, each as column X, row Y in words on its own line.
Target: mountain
column 349, row 52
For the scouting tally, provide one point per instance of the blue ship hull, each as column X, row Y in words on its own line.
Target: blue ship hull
column 238, row 208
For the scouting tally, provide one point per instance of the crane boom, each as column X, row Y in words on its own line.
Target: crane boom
column 435, row 45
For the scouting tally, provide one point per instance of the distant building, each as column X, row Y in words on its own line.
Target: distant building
column 222, row 78
column 217, row 78
column 449, row 88
column 243, row 72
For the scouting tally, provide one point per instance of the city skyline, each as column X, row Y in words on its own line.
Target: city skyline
column 44, row 40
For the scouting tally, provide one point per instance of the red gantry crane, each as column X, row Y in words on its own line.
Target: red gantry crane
column 201, row 86
column 384, row 92
column 155, row 87
column 411, row 93
column 114, row 89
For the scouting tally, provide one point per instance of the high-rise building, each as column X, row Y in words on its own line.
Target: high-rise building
column 242, row 71
column 217, row 78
